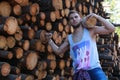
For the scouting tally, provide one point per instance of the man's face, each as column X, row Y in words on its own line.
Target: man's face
column 75, row 20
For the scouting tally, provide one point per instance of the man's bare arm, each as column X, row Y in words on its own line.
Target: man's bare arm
column 106, row 28
column 61, row 49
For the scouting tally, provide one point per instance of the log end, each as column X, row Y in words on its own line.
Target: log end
column 5, row 69
column 31, row 60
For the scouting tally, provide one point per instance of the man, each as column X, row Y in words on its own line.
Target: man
column 83, row 49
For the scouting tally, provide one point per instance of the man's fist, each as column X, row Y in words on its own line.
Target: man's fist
column 48, row 36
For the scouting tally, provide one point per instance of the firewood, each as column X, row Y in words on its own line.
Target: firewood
column 22, row 2
column 5, row 68
column 15, row 70
column 42, row 75
column 62, row 64
column 37, row 45
column 62, row 13
column 48, row 26
column 18, row 52
column 50, row 5
column 64, row 34
column 11, row 42
column 102, row 56
column 42, row 15
column 26, row 77
column 24, row 44
column 11, row 25
column 42, row 65
column 66, row 10
column 28, row 32
column 66, row 4
column 50, row 16
column 29, row 60
column 18, row 35
column 55, row 34
column 17, row 10
column 13, row 77
column 6, row 54
column 49, row 49
column 58, row 14
column 58, row 26
column 42, row 23
column 3, row 42
column 34, row 9
column 5, row 9
column 40, row 34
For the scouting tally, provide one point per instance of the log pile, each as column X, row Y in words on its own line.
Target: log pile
column 24, row 52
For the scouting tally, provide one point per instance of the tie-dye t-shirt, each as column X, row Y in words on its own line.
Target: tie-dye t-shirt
column 84, row 53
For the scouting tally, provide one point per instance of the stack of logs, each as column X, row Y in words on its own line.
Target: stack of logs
column 24, row 52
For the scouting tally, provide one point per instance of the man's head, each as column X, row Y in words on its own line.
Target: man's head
column 74, row 18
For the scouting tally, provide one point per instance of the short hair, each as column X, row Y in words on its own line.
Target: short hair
column 71, row 12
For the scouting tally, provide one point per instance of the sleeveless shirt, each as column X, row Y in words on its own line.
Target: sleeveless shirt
column 84, row 53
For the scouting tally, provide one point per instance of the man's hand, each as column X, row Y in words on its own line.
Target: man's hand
column 48, row 36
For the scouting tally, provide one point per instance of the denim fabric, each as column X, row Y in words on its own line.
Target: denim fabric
column 97, row 74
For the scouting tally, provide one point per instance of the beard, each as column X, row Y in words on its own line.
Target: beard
column 76, row 26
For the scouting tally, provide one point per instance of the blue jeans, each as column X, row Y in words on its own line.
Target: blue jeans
column 97, row 74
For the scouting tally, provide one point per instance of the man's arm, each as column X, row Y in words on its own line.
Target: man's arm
column 61, row 49
column 106, row 28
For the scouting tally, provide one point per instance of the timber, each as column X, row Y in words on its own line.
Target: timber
column 5, row 68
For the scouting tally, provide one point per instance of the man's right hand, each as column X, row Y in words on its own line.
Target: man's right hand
column 48, row 36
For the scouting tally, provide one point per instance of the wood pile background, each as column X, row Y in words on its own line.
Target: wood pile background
column 24, row 54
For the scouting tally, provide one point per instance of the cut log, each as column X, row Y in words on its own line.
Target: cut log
column 40, row 34
column 42, row 15
column 37, row 45
column 42, row 75
column 27, row 77
column 22, row 2
column 3, row 42
column 50, row 5
column 57, row 14
column 5, row 68
column 29, row 60
column 66, row 4
column 5, row 9
column 18, row 35
column 15, row 70
column 24, row 44
column 11, row 41
column 6, row 54
column 49, row 49
column 13, row 77
column 18, row 52
column 28, row 32
column 17, row 10
column 58, row 26
column 48, row 26
column 61, row 64
column 34, row 9
column 11, row 25
column 50, row 16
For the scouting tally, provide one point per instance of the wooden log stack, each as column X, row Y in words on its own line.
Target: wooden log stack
column 24, row 52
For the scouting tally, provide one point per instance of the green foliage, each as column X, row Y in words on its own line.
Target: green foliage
column 114, row 9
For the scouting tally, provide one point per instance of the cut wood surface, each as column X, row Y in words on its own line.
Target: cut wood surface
column 11, row 25
column 29, row 60
column 5, row 9
column 5, row 68
column 6, row 54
